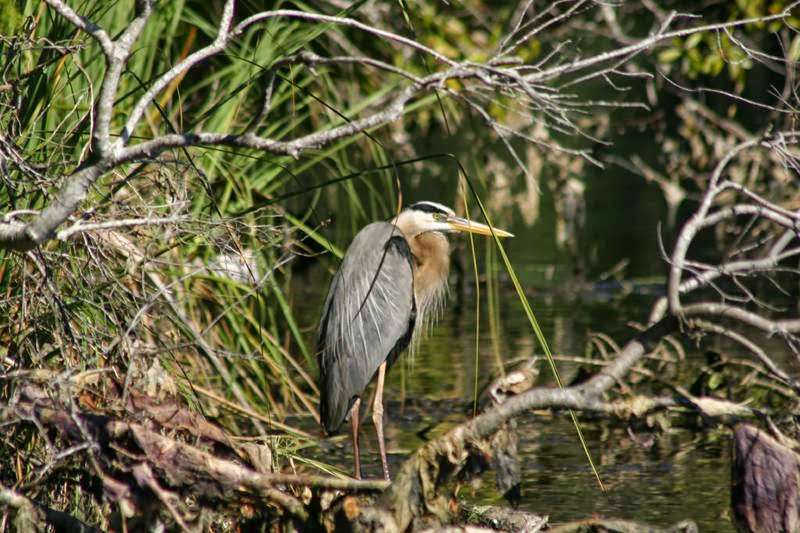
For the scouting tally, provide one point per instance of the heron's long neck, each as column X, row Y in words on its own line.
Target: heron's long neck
column 432, row 261
column 431, row 266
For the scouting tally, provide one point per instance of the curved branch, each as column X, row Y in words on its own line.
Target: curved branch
column 23, row 237
column 204, row 53
column 405, row 495
column 83, row 23
column 745, row 342
column 294, row 147
column 725, row 213
column 768, row 262
column 340, row 21
column 759, row 200
column 225, row 35
column 702, row 219
column 580, row 64
column 771, row 327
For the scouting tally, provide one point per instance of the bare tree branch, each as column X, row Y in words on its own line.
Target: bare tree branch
column 745, row 342
column 660, row 36
column 116, row 224
column 704, row 218
column 341, row 21
column 115, row 65
column 82, row 23
column 193, row 59
column 722, row 310
column 511, row 79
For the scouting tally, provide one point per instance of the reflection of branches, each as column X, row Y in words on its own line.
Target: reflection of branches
column 525, row 83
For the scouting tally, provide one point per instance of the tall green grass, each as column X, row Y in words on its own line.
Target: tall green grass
column 103, row 309
column 48, row 115
column 532, row 320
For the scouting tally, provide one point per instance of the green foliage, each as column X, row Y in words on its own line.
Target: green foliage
column 710, row 54
column 11, row 19
column 165, row 296
column 106, row 309
column 220, row 284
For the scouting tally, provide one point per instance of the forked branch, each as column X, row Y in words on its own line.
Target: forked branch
column 530, row 83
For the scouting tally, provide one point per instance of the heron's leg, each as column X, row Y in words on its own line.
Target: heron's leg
column 354, row 424
column 377, row 418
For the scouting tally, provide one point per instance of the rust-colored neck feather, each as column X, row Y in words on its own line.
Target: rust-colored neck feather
column 431, row 261
column 431, row 266
column 431, row 253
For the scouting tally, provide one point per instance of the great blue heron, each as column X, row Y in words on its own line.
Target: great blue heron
column 390, row 285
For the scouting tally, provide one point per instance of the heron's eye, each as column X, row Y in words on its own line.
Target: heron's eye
column 439, row 217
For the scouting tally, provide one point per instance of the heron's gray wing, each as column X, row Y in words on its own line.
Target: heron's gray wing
column 368, row 317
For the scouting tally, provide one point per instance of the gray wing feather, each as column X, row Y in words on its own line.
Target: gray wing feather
column 367, row 318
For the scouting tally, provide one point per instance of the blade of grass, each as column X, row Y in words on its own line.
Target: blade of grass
column 531, row 317
column 477, row 304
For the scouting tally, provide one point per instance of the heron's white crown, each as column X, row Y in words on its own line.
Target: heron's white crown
column 424, row 216
column 426, row 206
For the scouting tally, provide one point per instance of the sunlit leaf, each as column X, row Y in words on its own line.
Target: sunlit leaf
column 670, row 55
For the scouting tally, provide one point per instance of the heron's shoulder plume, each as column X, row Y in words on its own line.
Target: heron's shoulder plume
column 370, row 300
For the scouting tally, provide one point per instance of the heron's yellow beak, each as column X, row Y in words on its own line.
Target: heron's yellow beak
column 470, row 226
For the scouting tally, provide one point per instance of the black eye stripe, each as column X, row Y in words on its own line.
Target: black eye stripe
column 427, row 208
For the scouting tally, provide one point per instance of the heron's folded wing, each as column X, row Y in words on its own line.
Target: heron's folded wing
column 368, row 317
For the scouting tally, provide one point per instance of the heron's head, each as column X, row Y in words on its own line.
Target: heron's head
column 427, row 216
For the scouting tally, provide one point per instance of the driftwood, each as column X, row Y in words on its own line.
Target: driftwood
column 417, row 492
column 765, row 477
column 146, row 463
column 159, row 452
column 423, row 489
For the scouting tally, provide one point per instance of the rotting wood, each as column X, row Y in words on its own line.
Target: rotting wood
column 765, row 479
